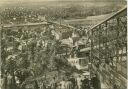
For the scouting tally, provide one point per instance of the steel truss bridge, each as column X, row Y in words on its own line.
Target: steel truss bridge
column 108, row 49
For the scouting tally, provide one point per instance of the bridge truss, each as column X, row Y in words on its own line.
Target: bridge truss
column 109, row 49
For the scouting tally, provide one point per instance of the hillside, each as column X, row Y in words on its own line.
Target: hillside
column 90, row 20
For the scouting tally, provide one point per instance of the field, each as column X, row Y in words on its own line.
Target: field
column 57, row 10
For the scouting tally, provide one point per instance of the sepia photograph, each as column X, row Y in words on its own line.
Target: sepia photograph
column 63, row 44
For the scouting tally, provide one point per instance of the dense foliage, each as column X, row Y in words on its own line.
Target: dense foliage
column 32, row 52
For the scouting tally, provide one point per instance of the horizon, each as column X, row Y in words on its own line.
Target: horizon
column 37, row 3
column 61, row 0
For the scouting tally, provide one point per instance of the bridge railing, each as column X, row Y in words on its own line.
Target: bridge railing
column 109, row 45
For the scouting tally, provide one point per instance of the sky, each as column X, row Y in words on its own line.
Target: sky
column 6, row 2
column 54, row 0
